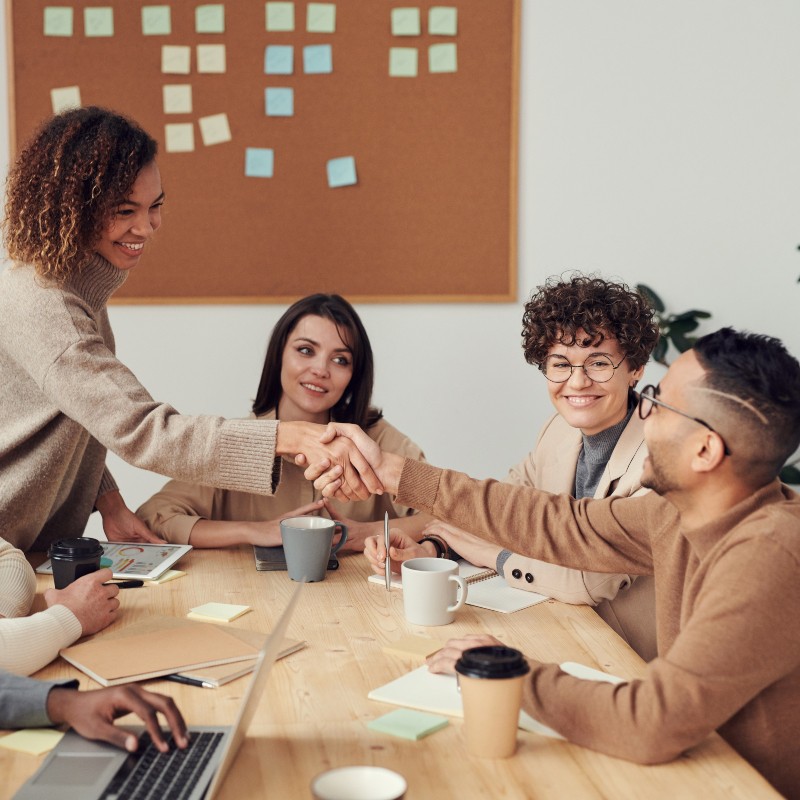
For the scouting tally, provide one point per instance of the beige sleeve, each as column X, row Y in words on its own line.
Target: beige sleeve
column 17, row 582
column 173, row 512
column 29, row 643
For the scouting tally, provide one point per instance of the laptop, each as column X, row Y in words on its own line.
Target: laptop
column 79, row 769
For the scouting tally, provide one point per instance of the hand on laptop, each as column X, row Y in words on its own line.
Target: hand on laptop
column 94, row 604
column 92, row 714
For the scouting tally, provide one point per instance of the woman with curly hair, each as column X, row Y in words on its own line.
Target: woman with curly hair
column 590, row 339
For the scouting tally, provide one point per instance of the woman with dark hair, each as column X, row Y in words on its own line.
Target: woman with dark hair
column 318, row 368
column 590, row 339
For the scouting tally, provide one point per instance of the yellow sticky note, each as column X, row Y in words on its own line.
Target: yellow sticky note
column 211, row 58
column 179, row 138
column 171, row 574
column 177, row 98
column 34, row 741
column 280, row 16
column 217, row 612
column 64, row 98
column 214, row 129
column 176, row 59
column 417, row 646
column 406, row 22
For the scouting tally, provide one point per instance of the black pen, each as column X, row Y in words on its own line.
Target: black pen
column 134, row 584
column 188, row 681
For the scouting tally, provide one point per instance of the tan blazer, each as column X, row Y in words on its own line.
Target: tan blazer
column 625, row 602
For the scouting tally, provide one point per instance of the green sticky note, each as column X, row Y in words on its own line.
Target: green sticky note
column 442, row 57
column 156, row 21
column 443, row 21
column 58, row 21
column 321, row 18
column 210, row 18
column 408, row 724
column 280, row 16
column 341, row 172
column 406, row 22
column 403, row 62
column 98, row 21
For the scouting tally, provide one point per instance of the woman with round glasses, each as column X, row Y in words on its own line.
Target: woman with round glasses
column 590, row 338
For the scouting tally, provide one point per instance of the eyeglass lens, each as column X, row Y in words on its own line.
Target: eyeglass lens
column 598, row 368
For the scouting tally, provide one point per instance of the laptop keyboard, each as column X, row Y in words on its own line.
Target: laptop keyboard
column 173, row 775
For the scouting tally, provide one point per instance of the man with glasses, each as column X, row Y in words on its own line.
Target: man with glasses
column 720, row 533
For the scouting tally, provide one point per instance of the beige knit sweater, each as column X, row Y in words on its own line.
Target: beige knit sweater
column 65, row 398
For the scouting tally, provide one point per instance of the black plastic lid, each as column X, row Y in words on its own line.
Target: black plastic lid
column 493, row 661
column 83, row 547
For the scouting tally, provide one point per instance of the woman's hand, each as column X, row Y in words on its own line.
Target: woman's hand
column 444, row 660
column 402, row 547
column 267, row 533
column 120, row 524
column 469, row 546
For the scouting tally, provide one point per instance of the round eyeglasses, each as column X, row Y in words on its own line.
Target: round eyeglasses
column 598, row 367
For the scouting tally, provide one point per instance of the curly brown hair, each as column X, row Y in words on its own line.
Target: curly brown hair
column 66, row 184
column 601, row 309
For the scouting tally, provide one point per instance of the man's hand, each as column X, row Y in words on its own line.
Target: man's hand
column 444, row 660
column 402, row 547
column 469, row 546
column 120, row 524
column 92, row 714
column 94, row 604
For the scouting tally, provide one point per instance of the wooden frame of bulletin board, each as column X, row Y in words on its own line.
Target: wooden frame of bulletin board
column 414, row 102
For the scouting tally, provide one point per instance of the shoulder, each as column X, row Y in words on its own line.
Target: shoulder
column 394, row 441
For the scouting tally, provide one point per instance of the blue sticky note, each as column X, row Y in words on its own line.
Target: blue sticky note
column 156, row 20
column 280, row 102
column 58, row 21
column 342, row 172
column 98, row 21
column 210, row 18
column 259, row 162
column 317, row 59
column 279, row 59
column 408, row 724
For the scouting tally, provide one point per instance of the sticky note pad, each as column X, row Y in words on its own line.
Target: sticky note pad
column 341, row 172
column 98, row 21
column 210, row 18
column 280, row 16
column 34, row 741
column 259, row 162
column 58, row 21
column 406, row 22
column 170, row 574
column 317, row 59
column 279, row 101
column 442, row 57
column 321, row 18
column 443, row 21
column 217, row 612
column 403, row 62
column 211, row 58
column 279, row 59
column 214, row 129
column 176, row 59
column 418, row 646
column 177, row 98
column 408, row 724
column 156, row 20
column 64, row 98
column 179, row 137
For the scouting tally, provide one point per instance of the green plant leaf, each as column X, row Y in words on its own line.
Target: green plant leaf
column 694, row 314
column 682, row 326
column 790, row 474
column 660, row 350
column 651, row 297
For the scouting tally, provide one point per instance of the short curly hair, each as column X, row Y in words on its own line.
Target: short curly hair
column 65, row 185
column 560, row 308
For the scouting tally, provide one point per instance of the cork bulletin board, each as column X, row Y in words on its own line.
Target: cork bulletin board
column 366, row 147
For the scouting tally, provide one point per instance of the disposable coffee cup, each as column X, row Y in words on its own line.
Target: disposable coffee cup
column 490, row 680
column 308, row 545
column 73, row 558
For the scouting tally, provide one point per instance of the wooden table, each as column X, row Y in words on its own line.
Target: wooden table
column 314, row 713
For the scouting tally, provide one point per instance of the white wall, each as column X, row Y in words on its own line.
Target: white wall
column 659, row 144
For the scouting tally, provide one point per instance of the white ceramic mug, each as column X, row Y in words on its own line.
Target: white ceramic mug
column 430, row 590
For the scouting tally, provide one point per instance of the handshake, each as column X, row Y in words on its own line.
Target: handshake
column 342, row 460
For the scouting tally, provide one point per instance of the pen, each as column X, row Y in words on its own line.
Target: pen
column 134, row 584
column 188, row 681
column 387, row 564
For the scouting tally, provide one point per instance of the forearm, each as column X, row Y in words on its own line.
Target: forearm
column 217, row 533
column 24, row 701
column 17, row 582
column 29, row 643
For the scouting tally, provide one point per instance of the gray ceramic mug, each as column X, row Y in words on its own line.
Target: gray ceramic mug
column 308, row 545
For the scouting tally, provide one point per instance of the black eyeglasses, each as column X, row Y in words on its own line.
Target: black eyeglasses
column 648, row 398
column 598, row 367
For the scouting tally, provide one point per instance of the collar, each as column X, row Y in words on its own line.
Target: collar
column 96, row 281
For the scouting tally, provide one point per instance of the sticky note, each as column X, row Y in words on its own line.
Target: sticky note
column 259, row 162
column 442, row 57
column 179, row 137
column 279, row 102
column 34, row 741
column 279, row 59
column 406, row 22
column 58, row 21
column 341, row 172
column 403, row 62
column 156, row 20
column 321, row 18
column 408, row 724
column 214, row 129
column 171, row 574
column 280, row 16
column 210, row 18
column 64, row 98
column 177, row 98
column 98, row 21
column 217, row 612
column 317, row 59
column 417, row 646
column 176, row 59
column 443, row 21
column 211, row 58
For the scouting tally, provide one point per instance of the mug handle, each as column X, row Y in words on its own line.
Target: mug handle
column 335, row 549
column 462, row 595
